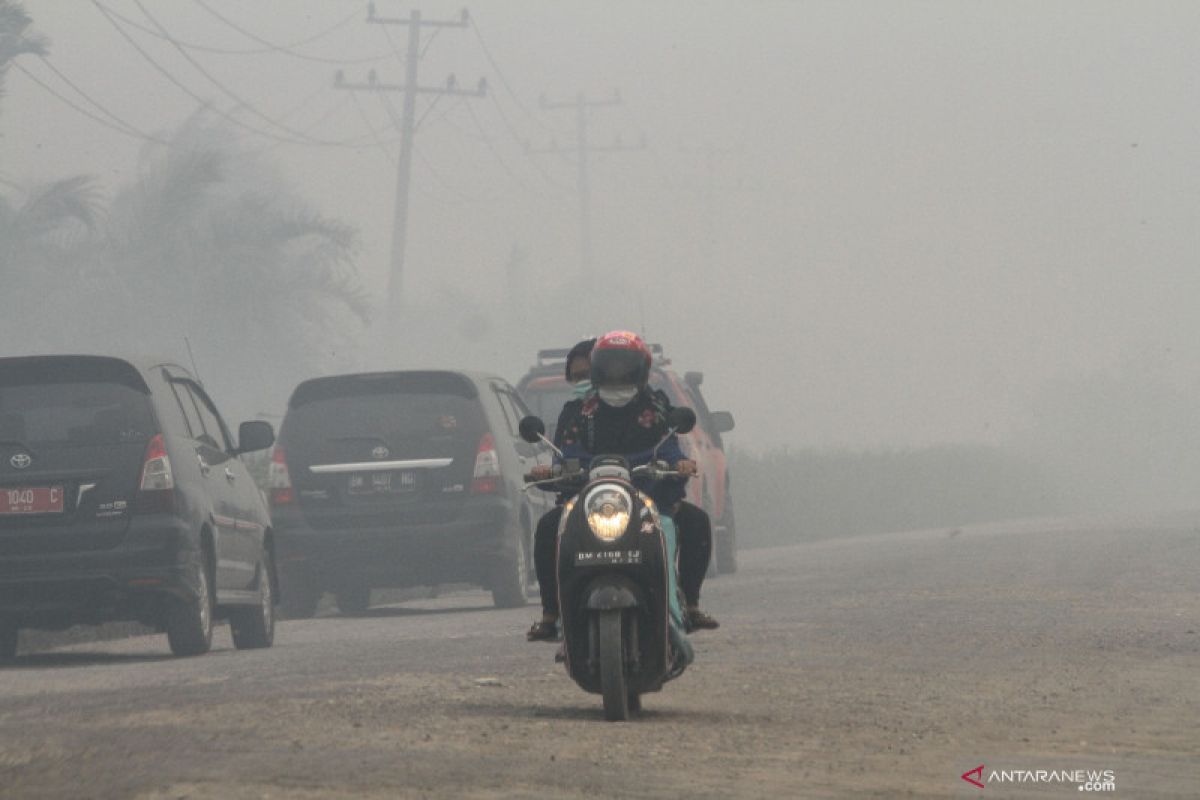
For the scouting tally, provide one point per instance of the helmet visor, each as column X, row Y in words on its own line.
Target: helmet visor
column 618, row 368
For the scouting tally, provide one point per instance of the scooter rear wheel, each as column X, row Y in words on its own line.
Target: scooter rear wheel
column 612, row 666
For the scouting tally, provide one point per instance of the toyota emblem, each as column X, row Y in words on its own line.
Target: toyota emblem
column 380, row 453
column 21, row 460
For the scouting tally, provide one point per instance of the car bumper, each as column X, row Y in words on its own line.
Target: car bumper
column 128, row 581
column 461, row 550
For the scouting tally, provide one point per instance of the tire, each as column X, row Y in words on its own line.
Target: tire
column 511, row 578
column 635, row 701
column 190, row 622
column 254, row 626
column 353, row 601
column 612, row 667
column 10, row 634
column 726, row 543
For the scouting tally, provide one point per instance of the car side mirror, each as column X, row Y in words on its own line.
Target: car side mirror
column 532, row 429
column 681, row 419
column 722, row 421
column 255, row 435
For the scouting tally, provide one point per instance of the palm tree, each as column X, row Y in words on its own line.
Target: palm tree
column 211, row 244
column 15, row 37
column 43, row 238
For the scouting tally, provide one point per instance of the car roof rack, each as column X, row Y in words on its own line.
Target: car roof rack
column 555, row 355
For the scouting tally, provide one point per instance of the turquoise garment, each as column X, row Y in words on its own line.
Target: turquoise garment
column 676, row 628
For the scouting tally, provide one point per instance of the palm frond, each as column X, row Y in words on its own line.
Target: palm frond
column 48, row 208
column 15, row 38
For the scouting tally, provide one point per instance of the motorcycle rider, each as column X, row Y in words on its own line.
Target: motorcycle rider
column 578, row 372
column 621, row 414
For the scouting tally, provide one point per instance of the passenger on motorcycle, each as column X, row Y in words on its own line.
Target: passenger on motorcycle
column 621, row 414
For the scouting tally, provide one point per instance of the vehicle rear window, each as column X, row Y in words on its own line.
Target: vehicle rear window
column 383, row 383
column 74, row 412
column 389, row 406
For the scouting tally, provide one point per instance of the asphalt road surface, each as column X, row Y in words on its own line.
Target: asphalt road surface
column 878, row 666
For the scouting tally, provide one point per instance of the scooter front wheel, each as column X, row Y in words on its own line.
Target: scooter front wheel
column 612, row 666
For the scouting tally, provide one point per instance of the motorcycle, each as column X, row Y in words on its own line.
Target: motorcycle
column 619, row 601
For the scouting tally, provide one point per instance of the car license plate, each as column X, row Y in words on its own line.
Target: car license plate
column 31, row 500
column 608, row 558
column 383, row 483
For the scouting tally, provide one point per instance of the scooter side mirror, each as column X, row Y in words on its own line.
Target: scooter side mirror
column 681, row 419
column 532, row 429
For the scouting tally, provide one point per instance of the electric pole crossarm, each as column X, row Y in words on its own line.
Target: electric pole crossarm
column 481, row 91
column 463, row 21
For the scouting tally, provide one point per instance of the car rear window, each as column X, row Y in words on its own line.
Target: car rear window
column 85, row 402
column 403, row 405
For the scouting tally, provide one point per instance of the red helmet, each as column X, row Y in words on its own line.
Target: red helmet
column 620, row 358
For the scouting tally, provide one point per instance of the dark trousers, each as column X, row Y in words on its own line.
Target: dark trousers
column 545, row 544
column 695, row 550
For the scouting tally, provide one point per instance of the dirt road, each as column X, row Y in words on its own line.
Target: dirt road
column 879, row 666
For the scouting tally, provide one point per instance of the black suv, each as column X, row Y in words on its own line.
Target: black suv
column 122, row 497
column 394, row 479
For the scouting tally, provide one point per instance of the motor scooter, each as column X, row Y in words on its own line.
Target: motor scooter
column 619, row 601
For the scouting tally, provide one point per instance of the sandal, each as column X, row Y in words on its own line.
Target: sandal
column 697, row 620
column 542, row 631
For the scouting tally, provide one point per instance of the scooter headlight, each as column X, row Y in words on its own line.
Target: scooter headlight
column 608, row 507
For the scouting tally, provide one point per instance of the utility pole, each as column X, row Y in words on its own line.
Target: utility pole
column 410, row 89
column 582, row 149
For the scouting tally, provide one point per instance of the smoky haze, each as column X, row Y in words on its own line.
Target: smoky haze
column 873, row 226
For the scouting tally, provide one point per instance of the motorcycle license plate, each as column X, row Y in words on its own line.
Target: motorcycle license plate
column 608, row 558
column 31, row 500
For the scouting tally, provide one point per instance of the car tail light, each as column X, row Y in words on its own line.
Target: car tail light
column 157, row 489
column 279, row 480
column 487, row 467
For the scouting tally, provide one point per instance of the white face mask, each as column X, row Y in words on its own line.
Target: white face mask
column 617, row 396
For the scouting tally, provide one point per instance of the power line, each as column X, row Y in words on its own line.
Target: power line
column 182, row 86
column 121, row 127
column 524, row 145
column 243, row 103
column 503, row 80
column 374, row 133
column 270, row 48
column 312, row 126
column 492, row 146
column 288, row 48
column 229, row 116
column 429, row 110
column 398, row 124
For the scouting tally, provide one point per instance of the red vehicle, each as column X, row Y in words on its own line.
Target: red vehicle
column 545, row 392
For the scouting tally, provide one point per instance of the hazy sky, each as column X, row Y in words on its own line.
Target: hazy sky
column 869, row 223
